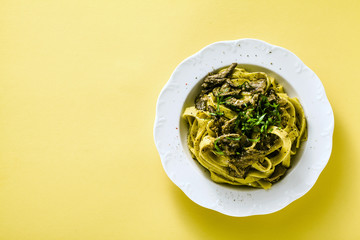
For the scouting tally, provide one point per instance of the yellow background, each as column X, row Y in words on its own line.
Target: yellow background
column 78, row 87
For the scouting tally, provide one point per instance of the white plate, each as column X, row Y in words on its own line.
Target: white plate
column 170, row 130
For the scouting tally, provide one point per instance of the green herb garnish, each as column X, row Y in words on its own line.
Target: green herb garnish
column 218, row 149
column 235, row 139
column 252, row 119
column 258, row 119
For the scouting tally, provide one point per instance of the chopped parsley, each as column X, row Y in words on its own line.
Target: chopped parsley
column 218, row 149
column 219, row 100
column 258, row 119
column 234, row 139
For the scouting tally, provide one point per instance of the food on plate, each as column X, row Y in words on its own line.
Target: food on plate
column 244, row 128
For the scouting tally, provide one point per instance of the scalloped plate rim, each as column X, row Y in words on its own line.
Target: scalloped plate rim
column 221, row 210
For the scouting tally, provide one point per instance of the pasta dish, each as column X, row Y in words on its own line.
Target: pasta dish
column 244, row 128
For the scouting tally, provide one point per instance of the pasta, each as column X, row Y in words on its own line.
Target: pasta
column 244, row 128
